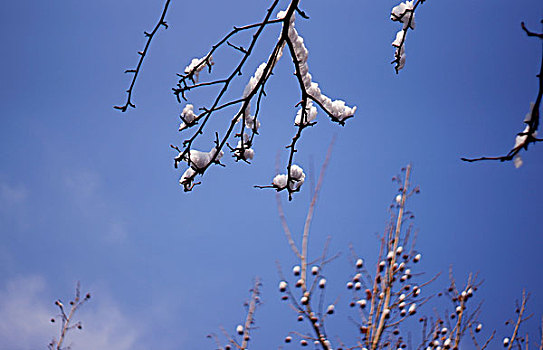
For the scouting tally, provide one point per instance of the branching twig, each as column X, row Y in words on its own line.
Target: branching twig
column 142, row 54
column 66, row 318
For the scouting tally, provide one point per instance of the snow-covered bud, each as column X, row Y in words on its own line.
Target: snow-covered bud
column 357, row 285
column 390, row 255
column 505, row 341
column 386, row 313
column 299, row 283
column 417, row 257
column 402, row 297
column 314, row 270
column 304, row 300
column 399, row 250
column 359, row 263
column 403, row 312
column 399, row 199
column 402, row 266
column 478, row 328
column 444, row 330
column 382, row 265
column 413, row 309
column 357, row 277
column 303, row 342
column 408, row 273
column 362, row 303
column 282, row 286
column 416, row 291
column 402, row 305
column 458, row 309
column 330, row 309
column 470, row 292
column 350, row 285
column 322, row 283
column 296, row 270
column 381, row 295
column 447, row 343
column 239, row 329
column 288, row 339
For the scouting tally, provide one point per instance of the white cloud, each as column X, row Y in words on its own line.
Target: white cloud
column 26, row 310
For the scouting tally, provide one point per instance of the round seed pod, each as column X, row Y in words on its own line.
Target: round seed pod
column 322, row 283
column 359, row 263
column 288, row 339
column 330, row 309
column 282, row 286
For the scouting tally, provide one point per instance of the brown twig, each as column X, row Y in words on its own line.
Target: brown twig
column 66, row 318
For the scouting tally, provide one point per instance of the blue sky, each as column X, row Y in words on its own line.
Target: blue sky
column 88, row 193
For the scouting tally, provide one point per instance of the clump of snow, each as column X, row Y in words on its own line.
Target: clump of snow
column 297, row 179
column 196, row 66
column 404, row 13
column 308, row 117
column 188, row 117
column 337, row 108
column 243, row 150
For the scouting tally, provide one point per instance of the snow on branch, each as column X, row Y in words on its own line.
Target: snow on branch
column 529, row 134
column 404, row 13
column 243, row 119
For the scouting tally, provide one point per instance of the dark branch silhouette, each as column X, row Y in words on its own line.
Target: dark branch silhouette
column 150, row 36
column 528, row 136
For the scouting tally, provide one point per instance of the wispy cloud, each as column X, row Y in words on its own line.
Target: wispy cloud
column 88, row 194
column 26, row 312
